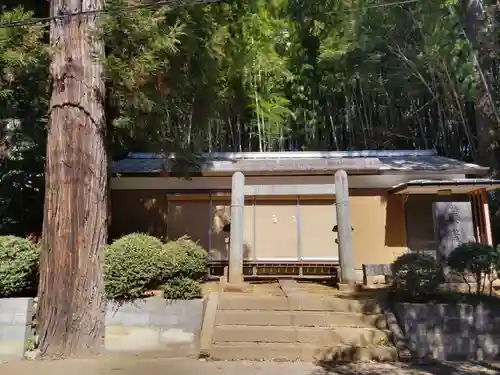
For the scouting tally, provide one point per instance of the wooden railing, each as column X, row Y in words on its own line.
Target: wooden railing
column 253, row 269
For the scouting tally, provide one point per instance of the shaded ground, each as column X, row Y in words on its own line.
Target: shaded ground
column 254, row 288
column 272, row 288
column 155, row 366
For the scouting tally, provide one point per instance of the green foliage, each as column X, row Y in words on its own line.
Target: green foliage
column 133, row 264
column 182, row 288
column 281, row 75
column 186, row 262
column 137, row 63
column 254, row 76
column 185, row 258
column 24, row 92
column 19, row 259
column 474, row 259
column 138, row 262
column 416, row 274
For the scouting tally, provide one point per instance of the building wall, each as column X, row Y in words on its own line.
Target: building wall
column 143, row 211
column 285, row 228
column 318, row 217
column 378, row 221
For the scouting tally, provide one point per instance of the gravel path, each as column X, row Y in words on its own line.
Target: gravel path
column 139, row 366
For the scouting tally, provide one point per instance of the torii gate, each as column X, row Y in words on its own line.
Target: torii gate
column 341, row 191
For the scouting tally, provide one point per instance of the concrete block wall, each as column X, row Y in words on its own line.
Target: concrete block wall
column 154, row 325
column 451, row 332
column 16, row 315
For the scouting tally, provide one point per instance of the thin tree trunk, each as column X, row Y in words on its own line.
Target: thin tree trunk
column 479, row 30
column 72, row 301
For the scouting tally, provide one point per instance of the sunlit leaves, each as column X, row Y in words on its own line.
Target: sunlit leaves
column 24, row 92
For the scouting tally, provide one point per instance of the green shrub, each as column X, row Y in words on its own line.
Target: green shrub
column 133, row 264
column 19, row 260
column 182, row 288
column 186, row 258
column 474, row 259
column 416, row 273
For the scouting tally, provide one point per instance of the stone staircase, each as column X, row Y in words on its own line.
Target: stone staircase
column 297, row 326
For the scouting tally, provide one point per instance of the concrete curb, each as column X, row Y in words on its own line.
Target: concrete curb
column 208, row 324
column 16, row 315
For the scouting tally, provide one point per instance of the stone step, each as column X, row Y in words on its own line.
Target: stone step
column 301, row 352
column 299, row 318
column 300, row 302
column 309, row 335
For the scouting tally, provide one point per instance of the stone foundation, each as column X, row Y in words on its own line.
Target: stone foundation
column 451, row 332
column 169, row 328
column 154, row 325
column 16, row 315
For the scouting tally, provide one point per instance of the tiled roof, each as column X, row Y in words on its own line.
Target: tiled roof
column 298, row 162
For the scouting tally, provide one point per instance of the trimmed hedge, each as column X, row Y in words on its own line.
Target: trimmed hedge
column 182, row 288
column 416, row 273
column 185, row 258
column 480, row 261
column 19, row 260
column 139, row 262
column 187, row 266
column 134, row 264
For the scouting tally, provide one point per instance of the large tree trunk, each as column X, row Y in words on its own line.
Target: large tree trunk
column 72, row 301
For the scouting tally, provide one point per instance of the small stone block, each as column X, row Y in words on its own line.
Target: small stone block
column 377, row 269
column 350, row 288
column 236, row 288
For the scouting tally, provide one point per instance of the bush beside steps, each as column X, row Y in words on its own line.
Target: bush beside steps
column 137, row 263
column 182, row 288
column 134, row 264
column 420, row 278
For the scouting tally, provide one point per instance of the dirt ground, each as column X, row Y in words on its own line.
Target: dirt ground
column 256, row 288
column 156, row 366
column 272, row 288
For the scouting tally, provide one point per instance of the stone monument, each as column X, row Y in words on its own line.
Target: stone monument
column 453, row 226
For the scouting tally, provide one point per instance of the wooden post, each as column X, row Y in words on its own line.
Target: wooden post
column 235, row 272
column 346, row 250
column 72, row 302
column 486, row 217
column 477, row 216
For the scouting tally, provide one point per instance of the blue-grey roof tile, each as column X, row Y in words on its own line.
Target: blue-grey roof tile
column 374, row 161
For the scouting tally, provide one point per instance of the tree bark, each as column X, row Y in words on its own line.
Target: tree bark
column 72, row 302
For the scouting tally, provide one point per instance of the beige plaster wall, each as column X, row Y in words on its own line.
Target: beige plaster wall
column 379, row 234
column 378, row 221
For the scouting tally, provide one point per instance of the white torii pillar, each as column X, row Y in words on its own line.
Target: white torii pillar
column 346, row 249
column 235, row 271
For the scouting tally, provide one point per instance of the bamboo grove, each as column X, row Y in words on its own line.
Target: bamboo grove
column 257, row 75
